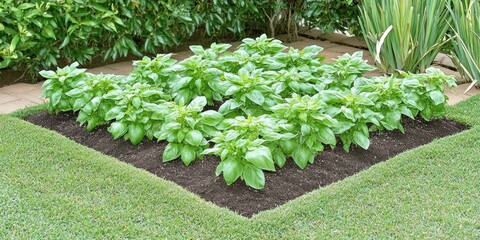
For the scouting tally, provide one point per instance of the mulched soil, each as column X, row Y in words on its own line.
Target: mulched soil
column 285, row 184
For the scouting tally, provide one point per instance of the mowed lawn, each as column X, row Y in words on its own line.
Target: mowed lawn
column 53, row 188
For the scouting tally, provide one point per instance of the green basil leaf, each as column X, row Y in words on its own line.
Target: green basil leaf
column 288, row 146
column 56, row 96
column 211, row 118
column 118, row 129
column 361, row 140
column 232, row 169
column 261, row 157
column 256, row 97
column 171, row 152
column 113, row 113
column 194, row 137
column 254, row 177
column 279, row 157
column 327, row 136
column 302, row 156
column 187, row 154
column 136, row 133
column 198, row 103
column 437, row 97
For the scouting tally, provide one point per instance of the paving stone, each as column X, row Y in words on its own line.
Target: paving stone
column 10, row 107
column 346, row 49
column 4, row 98
column 325, row 44
column 309, row 42
column 330, row 56
column 18, row 88
column 121, row 65
column 182, row 55
column 374, row 73
column 39, row 84
column 334, row 37
column 461, row 88
column 33, row 96
column 447, row 62
column 356, row 42
column 454, row 98
column 439, row 58
column 284, row 38
column 316, row 34
column 311, row 33
column 458, row 94
column 104, row 70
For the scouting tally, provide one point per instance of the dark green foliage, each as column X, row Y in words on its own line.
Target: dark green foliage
column 331, row 15
column 38, row 35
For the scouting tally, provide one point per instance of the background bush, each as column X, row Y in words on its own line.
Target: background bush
column 331, row 15
column 41, row 34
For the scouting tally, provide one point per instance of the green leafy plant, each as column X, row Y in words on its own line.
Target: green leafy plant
column 466, row 41
column 266, row 127
column 58, row 83
column 354, row 110
column 308, row 116
column 262, row 45
column 250, row 91
column 186, row 129
column 199, row 75
column 87, row 97
column 156, row 72
column 242, row 158
column 388, row 94
column 424, row 93
column 404, row 35
column 343, row 72
column 306, row 59
column 278, row 104
column 233, row 62
column 329, row 16
column 249, row 145
column 139, row 111
column 287, row 82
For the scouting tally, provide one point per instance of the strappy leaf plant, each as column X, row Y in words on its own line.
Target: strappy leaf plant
column 404, row 35
column 466, row 42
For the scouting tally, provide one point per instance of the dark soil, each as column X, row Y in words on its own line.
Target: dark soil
column 285, row 184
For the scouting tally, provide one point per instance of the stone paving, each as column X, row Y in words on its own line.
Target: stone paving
column 21, row 95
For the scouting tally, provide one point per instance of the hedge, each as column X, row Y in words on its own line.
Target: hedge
column 41, row 34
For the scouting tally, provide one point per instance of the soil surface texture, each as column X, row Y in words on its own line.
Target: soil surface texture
column 281, row 186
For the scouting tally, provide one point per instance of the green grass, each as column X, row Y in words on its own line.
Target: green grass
column 51, row 187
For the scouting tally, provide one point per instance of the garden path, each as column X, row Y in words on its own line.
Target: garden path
column 21, row 95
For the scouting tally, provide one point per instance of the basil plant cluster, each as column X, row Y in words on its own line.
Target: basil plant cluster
column 255, row 108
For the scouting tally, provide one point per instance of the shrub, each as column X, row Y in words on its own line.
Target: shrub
column 331, row 15
column 260, row 123
column 466, row 41
column 37, row 34
column 43, row 34
column 404, row 35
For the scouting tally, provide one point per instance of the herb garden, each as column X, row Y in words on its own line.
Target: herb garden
column 273, row 104
column 254, row 119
